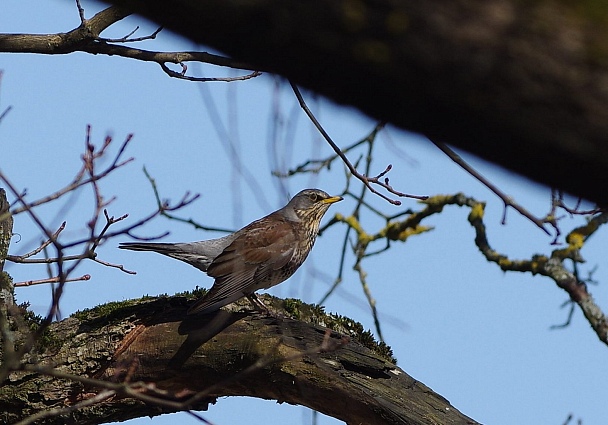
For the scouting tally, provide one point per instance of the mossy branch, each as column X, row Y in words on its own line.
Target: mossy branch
column 551, row 265
column 143, row 358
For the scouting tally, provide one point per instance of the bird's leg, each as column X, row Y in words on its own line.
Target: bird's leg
column 258, row 304
column 262, row 309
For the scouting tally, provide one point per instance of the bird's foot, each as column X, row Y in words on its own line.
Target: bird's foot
column 258, row 305
column 261, row 308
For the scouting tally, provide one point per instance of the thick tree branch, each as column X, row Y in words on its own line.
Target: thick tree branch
column 518, row 83
column 121, row 348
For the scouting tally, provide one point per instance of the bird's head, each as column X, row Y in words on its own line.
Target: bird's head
column 311, row 204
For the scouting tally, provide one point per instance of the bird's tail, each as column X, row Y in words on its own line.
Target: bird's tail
column 210, row 302
column 162, row 248
column 182, row 252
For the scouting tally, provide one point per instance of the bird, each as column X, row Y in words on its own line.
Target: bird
column 262, row 254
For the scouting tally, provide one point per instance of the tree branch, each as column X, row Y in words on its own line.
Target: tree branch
column 517, row 83
column 133, row 344
column 86, row 38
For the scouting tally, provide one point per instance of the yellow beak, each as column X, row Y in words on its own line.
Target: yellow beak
column 332, row 200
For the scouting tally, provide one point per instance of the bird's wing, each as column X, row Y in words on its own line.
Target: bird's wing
column 259, row 250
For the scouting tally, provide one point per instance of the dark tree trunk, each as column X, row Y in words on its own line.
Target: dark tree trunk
column 522, row 84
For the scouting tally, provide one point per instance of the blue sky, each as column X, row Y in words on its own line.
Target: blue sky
column 472, row 333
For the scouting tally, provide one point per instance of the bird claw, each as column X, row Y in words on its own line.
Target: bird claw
column 261, row 308
column 257, row 303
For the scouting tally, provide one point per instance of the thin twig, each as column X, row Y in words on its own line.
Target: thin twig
column 367, row 181
column 319, row 164
column 23, row 258
column 80, row 12
column 5, row 112
column 370, row 299
column 568, row 321
column 65, row 264
column 55, row 279
column 165, row 213
column 120, row 267
column 557, row 197
column 182, row 75
column 126, row 38
column 507, row 200
column 79, row 181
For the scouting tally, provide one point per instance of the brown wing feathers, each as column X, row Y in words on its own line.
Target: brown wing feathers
column 247, row 263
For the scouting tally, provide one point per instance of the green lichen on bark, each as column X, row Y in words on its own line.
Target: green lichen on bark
column 316, row 314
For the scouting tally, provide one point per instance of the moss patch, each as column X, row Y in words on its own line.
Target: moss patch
column 316, row 314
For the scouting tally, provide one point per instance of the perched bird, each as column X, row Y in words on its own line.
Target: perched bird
column 260, row 255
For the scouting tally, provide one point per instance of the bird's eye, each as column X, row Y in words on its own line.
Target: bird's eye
column 313, row 197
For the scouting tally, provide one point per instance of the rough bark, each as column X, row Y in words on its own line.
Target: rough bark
column 147, row 341
column 523, row 84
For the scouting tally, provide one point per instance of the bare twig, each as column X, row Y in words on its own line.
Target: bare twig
column 507, row 200
column 164, row 212
column 79, row 180
column 316, row 165
column 367, row 181
column 187, row 199
column 127, row 39
column 80, row 12
column 5, row 112
column 120, row 267
column 55, row 279
column 182, row 75
column 557, row 201
column 63, row 264
column 23, row 258
column 370, row 299
column 51, row 260
column 568, row 321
